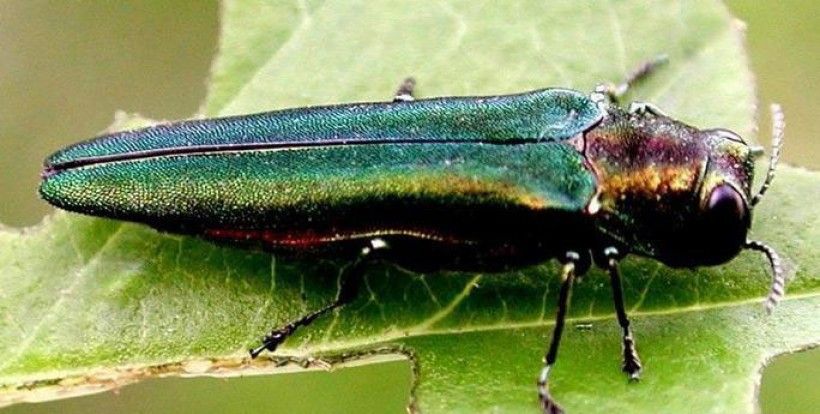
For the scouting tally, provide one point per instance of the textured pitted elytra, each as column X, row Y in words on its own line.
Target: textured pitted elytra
column 448, row 168
column 316, row 186
column 543, row 115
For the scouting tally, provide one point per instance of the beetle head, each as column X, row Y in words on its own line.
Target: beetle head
column 721, row 216
column 726, row 200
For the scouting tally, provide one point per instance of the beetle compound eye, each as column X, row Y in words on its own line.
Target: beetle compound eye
column 726, row 205
column 723, row 225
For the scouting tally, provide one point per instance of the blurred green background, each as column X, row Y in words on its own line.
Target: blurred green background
column 67, row 66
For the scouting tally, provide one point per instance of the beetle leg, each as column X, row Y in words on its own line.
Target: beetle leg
column 631, row 362
column 351, row 279
column 405, row 91
column 643, row 108
column 548, row 405
column 615, row 92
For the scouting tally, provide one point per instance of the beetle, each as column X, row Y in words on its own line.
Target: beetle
column 455, row 183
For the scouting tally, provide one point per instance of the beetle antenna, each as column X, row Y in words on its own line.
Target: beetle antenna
column 778, row 128
column 778, row 288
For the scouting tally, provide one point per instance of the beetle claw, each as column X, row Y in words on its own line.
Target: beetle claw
column 633, row 370
column 272, row 340
column 256, row 351
column 631, row 362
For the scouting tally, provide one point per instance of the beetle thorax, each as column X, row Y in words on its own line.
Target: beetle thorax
column 649, row 170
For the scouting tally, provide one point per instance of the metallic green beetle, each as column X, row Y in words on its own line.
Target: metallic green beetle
column 461, row 183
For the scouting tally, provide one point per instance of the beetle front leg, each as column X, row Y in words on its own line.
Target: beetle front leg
column 548, row 405
column 351, row 279
column 405, row 91
column 631, row 362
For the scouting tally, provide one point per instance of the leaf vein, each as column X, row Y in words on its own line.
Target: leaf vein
column 79, row 276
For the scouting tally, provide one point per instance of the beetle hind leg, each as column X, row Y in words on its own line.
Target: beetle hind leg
column 548, row 404
column 405, row 91
column 631, row 363
column 351, row 279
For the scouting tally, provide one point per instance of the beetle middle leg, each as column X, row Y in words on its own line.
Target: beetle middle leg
column 548, row 404
column 631, row 363
column 614, row 93
column 351, row 279
column 405, row 91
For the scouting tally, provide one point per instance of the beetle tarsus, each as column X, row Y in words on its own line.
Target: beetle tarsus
column 351, row 279
column 272, row 340
column 548, row 404
column 631, row 363
column 255, row 352
column 405, row 91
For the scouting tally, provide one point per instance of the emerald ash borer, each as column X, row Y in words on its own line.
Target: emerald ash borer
column 456, row 183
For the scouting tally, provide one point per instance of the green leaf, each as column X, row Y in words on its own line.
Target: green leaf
column 91, row 303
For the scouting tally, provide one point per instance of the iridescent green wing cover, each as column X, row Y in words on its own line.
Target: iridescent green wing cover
column 292, row 188
column 542, row 115
column 434, row 166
